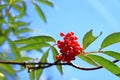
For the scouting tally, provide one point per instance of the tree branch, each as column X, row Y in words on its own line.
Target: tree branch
column 46, row 65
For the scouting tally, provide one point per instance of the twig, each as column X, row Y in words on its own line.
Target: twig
column 46, row 65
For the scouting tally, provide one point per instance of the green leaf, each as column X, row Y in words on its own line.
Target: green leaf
column 110, row 66
column 43, row 59
column 88, row 60
column 22, row 10
column 38, row 74
column 34, row 46
column 24, row 30
column 39, row 11
column 11, row 19
column 113, row 54
column 14, row 49
column 2, row 39
column 89, row 38
column 55, row 53
column 7, row 68
column 49, row 3
column 111, row 39
column 32, row 75
column 21, row 23
column 17, row 7
column 22, row 59
column 36, row 39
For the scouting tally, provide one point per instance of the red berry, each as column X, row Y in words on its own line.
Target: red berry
column 58, row 57
column 69, row 47
column 62, row 34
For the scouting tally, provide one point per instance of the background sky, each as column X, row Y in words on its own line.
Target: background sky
column 78, row 16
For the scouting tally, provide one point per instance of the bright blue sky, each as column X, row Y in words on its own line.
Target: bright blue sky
column 79, row 16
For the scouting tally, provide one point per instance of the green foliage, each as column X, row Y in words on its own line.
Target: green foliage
column 12, row 13
column 23, row 30
column 113, row 54
column 34, row 46
column 111, row 39
column 106, row 64
column 46, row 2
column 55, row 53
column 14, row 49
column 39, row 11
column 43, row 59
column 36, row 39
column 22, row 59
column 88, row 60
column 7, row 68
column 88, row 39
column 32, row 75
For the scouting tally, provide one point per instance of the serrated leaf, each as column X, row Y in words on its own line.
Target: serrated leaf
column 49, row 3
column 113, row 54
column 36, row 39
column 111, row 39
column 22, row 59
column 14, row 49
column 43, row 59
column 34, row 46
column 32, row 75
column 89, row 38
column 110, row 66
column 55, row 53
column 40, row 13
column 88, row 60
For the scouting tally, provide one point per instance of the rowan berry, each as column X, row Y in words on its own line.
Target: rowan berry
column 69, row 47
column 62, row 34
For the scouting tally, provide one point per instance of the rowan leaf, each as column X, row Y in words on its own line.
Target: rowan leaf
column 111, row 39
column 14, row 49
column 110, row 66
column 46, row 2
column 88, row 60
column 113, row 54
column 34, row 46
column 43, row 59
column 55, row 53
column 40, row 12
column 35, row 39
column 89, row 38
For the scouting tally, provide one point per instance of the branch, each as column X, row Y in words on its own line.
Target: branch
column 94, row 68
column 46, row 65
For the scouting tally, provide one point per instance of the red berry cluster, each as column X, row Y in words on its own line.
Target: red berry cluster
column 69, row 47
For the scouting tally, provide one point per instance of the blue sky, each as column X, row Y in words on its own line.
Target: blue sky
column 79, row 16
